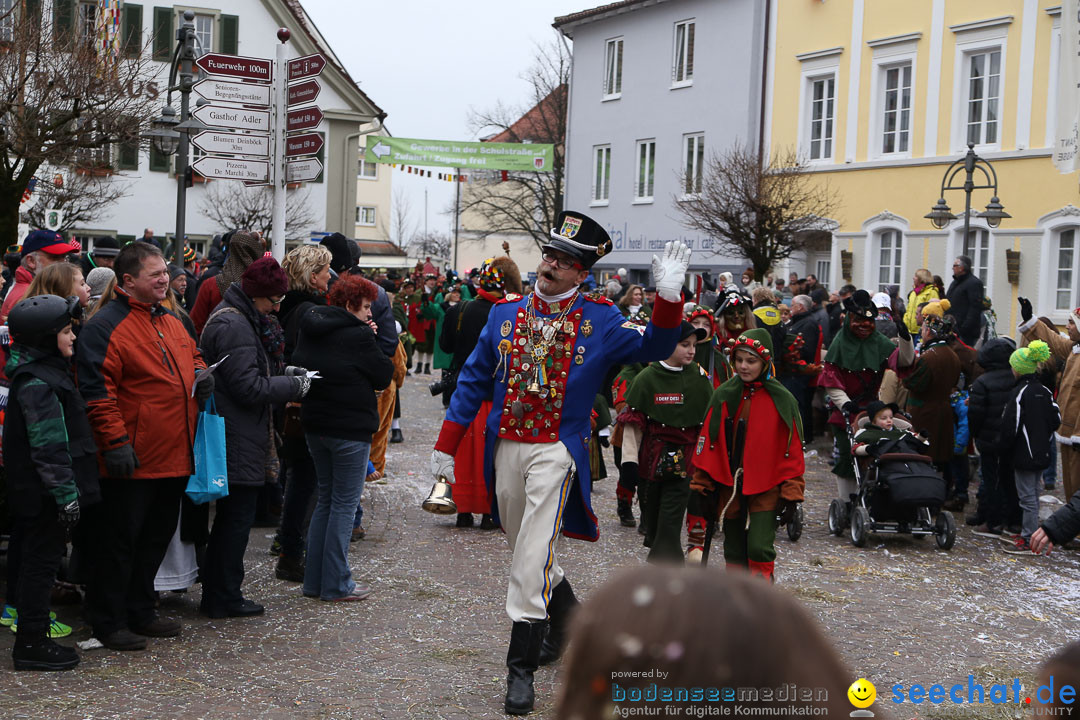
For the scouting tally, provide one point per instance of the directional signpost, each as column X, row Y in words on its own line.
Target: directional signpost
column 213, row 141
column 304, row 92
column 232, row 168
column 254, row 106
column 235, row 118
column 235, row 92
column 303, row 119
column 236, row 66
column 303, row 170
column 305, row 144
column 305, row 67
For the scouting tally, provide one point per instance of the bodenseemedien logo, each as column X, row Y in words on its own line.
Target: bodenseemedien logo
column 862, row 694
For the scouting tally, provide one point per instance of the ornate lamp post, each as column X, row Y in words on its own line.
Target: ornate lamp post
column 171, row 135
column 940, row 215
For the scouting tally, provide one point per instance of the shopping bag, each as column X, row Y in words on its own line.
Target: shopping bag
column 211, row 478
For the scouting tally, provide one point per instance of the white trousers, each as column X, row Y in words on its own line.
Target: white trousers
column 532, row 482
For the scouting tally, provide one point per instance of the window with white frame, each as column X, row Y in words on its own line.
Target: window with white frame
column 694, row 169
column 1065, row 296
column 821, row 115
column 646, row 169
column 896, row 109
column 204, row 34
column 601, row 173
column 982, row 96
column 367, row 170
column 890, row 253
column 87, row 21
column 822, row 269
column 365, row 216
column 613, row 69
column 977, row 247
column 682, row 66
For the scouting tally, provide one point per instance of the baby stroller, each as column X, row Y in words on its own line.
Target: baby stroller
column 899, row 491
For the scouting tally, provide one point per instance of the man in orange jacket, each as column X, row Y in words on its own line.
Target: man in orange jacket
column 136, row 367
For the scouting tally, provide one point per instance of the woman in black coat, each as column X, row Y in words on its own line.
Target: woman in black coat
column 308, row 268
column 249, row 383
column 339, row 416
column 989, row 394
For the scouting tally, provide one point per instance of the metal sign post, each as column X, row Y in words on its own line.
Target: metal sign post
column 277, row 161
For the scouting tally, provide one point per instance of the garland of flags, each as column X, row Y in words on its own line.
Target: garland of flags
column 488, row 176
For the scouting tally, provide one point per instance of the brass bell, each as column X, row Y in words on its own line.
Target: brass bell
column 441, row 499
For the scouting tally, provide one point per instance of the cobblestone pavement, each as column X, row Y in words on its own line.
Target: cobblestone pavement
column 430, row 642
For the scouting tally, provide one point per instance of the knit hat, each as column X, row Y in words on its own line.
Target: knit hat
column 189, row 254
column 338, row 245
column 175, row 271
column 882, row 300
column 1026, row 360
column 98, row 279
column 936, row 308
column 264, row 278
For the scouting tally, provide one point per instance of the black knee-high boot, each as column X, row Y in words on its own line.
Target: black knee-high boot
column 522, row 659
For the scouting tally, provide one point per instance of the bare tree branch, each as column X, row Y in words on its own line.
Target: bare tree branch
column 761, row 214
column 65, row 103
column 231, row 205
column 403, row 225
column 82, row 196
column 431, row 244
column 524, row 202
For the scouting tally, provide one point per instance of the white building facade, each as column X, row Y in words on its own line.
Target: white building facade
column 247, row 28
column 657, row 86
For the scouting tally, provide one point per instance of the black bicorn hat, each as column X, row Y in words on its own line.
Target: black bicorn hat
column 860, row 305
column 580, row 237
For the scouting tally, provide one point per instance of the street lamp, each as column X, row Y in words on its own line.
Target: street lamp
column 170, row 135
column 163, row 133
column 940, row 215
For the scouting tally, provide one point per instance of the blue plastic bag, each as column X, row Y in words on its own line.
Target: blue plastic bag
column 211, row 478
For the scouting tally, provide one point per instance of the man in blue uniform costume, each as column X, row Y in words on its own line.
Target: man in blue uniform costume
column 542, row 359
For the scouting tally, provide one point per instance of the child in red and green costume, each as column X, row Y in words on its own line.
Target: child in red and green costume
column 767, row 478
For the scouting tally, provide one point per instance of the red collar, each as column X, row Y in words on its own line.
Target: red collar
column 491, row 297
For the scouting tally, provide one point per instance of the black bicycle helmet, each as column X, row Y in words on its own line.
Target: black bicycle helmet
column 35, row 321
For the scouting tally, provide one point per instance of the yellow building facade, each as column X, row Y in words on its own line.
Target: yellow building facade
column 880, row 96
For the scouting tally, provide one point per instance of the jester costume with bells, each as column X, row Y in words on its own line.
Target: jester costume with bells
column 749, row 459
column 541, row 360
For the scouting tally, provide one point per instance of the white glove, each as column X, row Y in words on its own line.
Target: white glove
column 668, row 271
column 442, row 465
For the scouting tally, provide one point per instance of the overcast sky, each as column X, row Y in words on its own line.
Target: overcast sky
column 427, row 62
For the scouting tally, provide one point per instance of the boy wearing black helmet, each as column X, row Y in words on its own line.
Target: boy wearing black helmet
column 49, row 454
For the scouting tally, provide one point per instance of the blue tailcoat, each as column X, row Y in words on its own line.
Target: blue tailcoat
column 613, row 341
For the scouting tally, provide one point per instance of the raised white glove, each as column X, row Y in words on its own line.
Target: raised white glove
column 669, row 270
column 442, row 465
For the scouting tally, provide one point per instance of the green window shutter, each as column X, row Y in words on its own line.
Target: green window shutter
column 163, row 33
column 63, row 17
column 33, row 9
column 125, row 239
column 158, row 161
column 321, row 157
column 131, row 32
column 127, row 156
column 230, row 34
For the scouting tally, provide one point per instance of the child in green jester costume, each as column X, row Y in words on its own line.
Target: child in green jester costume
column 749, row 456
column 665, row 405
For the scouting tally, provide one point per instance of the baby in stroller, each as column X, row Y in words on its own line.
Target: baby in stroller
column 882, row 424
column 899, row 489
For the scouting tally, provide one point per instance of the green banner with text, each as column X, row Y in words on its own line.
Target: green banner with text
column 518, row 157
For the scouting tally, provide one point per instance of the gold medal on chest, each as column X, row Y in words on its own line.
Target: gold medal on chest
column 586, row 328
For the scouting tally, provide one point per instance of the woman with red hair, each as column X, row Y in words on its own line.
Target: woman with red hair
column 339, row 416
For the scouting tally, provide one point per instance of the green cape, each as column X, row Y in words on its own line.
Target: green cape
column 850, row 353
column 658, row 380
column 731, row 393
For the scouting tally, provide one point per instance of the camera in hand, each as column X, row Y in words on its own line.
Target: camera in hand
column 446, row 383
